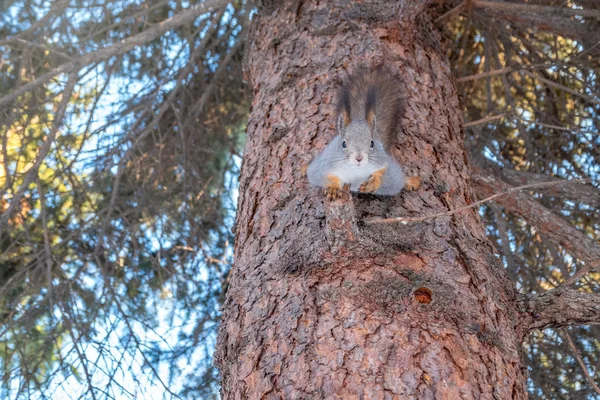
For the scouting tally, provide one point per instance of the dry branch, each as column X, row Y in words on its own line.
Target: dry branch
column 155, row 31
column 580, row 193
column 483, row 120
column 406, row 220
column 553, row 226
column 577, row 355
column 31, row 174
column 519, row 8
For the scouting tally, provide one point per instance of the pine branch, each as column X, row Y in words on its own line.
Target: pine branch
column 520, row 8
column 155, row 31
column 577, row 355
column 559, row 307
column 406, row 220
column 553, row 226
column 32, row 173
column 483, row 120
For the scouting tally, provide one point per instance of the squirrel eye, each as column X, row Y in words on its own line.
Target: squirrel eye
column 372, row 144
column 344, row 144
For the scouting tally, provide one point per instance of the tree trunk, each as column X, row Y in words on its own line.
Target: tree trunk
column 322, row 305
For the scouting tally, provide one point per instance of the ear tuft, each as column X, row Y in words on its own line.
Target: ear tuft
column 344, row 118
column 343, row 121
column 370, row 104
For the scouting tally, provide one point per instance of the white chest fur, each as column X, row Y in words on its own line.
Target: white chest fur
column 353, row 174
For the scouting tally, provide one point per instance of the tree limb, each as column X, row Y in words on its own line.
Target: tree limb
column 516, row 8
column 577, row 355
column 31, row 174
column 577, row 192
column 56, row 8
column 559, row 307
column 155, row 31
column 484, row 120
column 507, row 190
column 553, row 226
column 555, row 85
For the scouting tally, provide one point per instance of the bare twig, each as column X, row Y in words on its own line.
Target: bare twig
column 44, row 149
column 406, row 220
column 581, row 272
column 533, row 8
column 47, row 251
column 453, row 12
column 484, row 75
column 577, row 355
column 56, row 8
column 183, row 18
column 484, row 120
column 561, row 87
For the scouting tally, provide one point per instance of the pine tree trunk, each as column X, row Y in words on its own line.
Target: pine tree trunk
column 321, row 305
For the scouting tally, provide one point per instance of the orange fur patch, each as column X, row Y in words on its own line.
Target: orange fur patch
column 374, row 182
column 412, row 183
column 333, row 187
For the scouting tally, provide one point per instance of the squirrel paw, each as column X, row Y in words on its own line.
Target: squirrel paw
column 334, row 189
column 372, row 184
column 332, row 193
column 412, row 183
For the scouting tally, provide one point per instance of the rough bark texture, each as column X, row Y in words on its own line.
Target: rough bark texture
column 560, row 307
column 322, row 306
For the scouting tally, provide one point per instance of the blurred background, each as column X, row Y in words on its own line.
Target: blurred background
column 121, row 139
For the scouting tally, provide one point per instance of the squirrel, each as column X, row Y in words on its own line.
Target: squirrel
column 358, row 158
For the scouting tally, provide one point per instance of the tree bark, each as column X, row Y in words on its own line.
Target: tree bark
column 321, row 305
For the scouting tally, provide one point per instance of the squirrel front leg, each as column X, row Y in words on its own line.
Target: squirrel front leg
column 333, row 187
column 374, row 182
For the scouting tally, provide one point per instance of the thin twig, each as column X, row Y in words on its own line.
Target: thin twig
column 516, row 8
column 484, row 74
column 456, row 10
column 589, row 266
column 47, row 250
column 406, row 220
column 55, row 9
column 183, row 18
column 43, row 151
column 484, row 120
column 577, row 355
column 561, row 87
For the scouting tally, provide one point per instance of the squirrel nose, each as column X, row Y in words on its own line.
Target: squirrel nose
column 359, row 158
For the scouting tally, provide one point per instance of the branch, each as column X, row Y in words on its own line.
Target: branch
column 580, row 193
column 483, row 120
column 453, row 12
column 406, row 220
column 577, row 354
column 519, row 8
column 553, row 226
column 555, row 85
column 31, row 174
column 155, row 31
column 559, row 307
column 56, row 8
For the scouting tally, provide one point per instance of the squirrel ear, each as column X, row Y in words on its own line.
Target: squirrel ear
column 371, row 121
column 343, row 121
column 370, row 106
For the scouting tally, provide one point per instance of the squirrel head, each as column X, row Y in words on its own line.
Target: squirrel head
column 358, row 139
column 358, row 135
